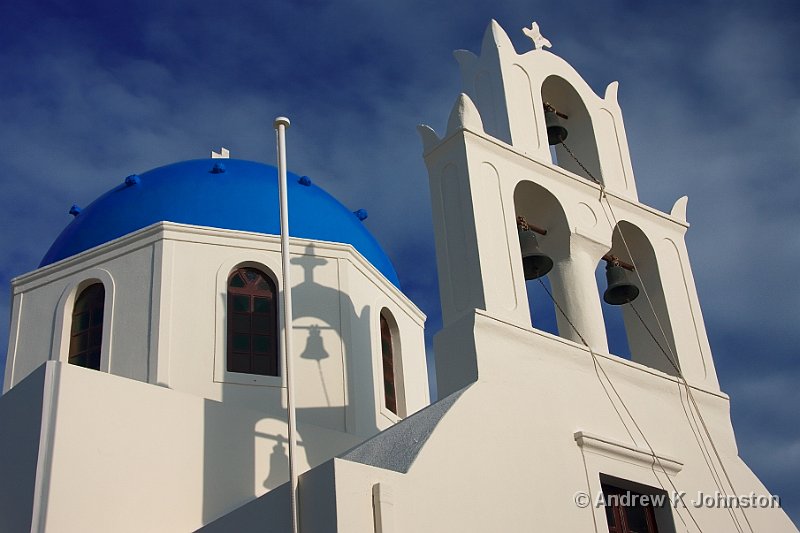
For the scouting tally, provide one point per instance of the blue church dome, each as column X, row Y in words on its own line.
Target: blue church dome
column 220, row 193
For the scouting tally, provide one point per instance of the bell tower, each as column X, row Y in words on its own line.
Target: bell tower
column 535, row 165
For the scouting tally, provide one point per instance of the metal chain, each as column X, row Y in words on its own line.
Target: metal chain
column 591, row 176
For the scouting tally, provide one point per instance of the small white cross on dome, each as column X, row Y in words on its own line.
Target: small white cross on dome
column 224, row 153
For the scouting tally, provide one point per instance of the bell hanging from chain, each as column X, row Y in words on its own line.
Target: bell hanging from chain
column 535, row 264
column 556, row 132
column 620, row 290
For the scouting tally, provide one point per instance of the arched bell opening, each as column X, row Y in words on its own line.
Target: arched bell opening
column 612, row 317
column 543, row 238
column 569, row 128
column 634, row 302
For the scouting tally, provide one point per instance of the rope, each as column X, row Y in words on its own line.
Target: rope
column 690, row 416
column 594, row 359
column 598, row 369
column 672, row 360
column 706, row 453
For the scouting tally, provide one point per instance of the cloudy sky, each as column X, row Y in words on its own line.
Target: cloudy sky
column 92, row 91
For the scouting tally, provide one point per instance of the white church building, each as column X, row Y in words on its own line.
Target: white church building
column 145, row 386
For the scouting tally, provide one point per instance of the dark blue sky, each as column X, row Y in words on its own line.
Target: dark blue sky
column 94, row 91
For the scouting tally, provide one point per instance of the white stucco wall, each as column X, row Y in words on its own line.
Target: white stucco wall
column 505, row 456
column 163, row 438
column 493, row 164
column 43, row 302
column 546, row 415
column 165, row 322
column 122, row 455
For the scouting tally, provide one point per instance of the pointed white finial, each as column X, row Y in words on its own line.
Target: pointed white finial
column 539, row 41
column 467, row 61
column 224, row 153
column 611, row 92
column 679, row 209
column 464, row 115
column 429, row 138
column 496, row 39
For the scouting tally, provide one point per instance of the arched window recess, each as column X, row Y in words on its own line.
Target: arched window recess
column 86, row 330
column 252, row 323
column 391, row 364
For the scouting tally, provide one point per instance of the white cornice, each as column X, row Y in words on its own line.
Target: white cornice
column 528, row 160
column 641, row 456
column 614, row 360
column 203, row 235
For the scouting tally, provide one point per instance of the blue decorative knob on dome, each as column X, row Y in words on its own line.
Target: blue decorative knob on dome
column 245, row 200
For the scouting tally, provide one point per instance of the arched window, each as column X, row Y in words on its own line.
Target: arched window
column 387, row 355
column 252, row 323
column 86, row 333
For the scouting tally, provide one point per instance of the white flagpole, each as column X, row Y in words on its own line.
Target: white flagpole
column 281, row 123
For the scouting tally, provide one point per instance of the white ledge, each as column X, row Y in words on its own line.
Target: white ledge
column 174, row 231
column 641, row 456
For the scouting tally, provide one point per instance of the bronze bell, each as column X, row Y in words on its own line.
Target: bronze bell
column 556, row 132
column 535, row 264
column 620, row 290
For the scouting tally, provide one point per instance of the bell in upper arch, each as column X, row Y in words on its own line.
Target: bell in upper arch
column 556, row 132
column 620, row 290
column 535, row 264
